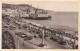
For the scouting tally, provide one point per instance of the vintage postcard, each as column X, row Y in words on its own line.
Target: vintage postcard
column 39, row 25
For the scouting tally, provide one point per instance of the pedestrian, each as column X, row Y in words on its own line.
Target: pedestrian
column 23, row 44
column 46, row 44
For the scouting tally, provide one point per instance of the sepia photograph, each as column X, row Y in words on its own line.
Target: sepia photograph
column 40, row 25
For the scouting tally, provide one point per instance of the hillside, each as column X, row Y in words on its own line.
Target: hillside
column 22, row 7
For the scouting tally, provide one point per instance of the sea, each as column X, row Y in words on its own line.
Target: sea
column 67, row 19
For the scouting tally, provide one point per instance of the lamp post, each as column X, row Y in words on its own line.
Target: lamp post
column 42, row 44
column 18, row 41
column 43, row 37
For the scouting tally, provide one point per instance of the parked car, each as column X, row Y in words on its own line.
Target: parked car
column 12, row 28
column 20, row 34
column 28, row 38
column 24, row 36
column 4, row 26
column 35, row 36
column 62, row 41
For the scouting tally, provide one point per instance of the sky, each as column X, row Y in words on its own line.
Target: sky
column 65, row 6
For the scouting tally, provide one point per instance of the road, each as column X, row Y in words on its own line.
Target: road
column 33, row 44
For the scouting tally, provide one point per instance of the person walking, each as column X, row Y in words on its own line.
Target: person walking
column 23, row 44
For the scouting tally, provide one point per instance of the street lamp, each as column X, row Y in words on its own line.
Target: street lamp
column 43, row 37
column 42, row 44
column 18, row 41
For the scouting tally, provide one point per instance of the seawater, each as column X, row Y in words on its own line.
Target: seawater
column 69, row 19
